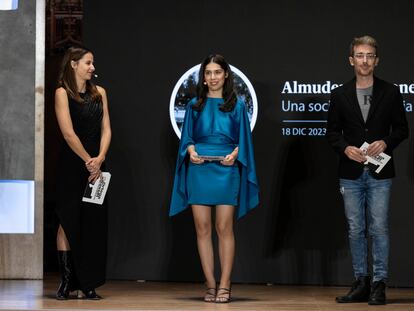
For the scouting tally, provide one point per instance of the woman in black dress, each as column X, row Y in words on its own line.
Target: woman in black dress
column 82, row 113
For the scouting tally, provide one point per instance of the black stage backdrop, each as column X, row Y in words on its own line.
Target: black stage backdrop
column 298, row 234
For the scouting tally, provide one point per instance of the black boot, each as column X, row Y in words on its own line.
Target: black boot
column 359, row 292
column 91, row 294
column 66, row 271
column 377, row 296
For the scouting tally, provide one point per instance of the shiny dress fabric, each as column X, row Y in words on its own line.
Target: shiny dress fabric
column 85, row 224
column 216, row 133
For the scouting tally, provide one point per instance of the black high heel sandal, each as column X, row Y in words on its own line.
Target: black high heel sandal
column 220, row 298
column 210, row 295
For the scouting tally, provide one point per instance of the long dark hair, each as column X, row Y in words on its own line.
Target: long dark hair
column 67, row 78
column 229, row 95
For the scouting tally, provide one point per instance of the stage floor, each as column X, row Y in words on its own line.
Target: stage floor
column 128, row 295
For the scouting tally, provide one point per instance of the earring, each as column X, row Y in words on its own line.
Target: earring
column 205, row 83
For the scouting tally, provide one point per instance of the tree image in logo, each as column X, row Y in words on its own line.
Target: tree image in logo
column 185, row 90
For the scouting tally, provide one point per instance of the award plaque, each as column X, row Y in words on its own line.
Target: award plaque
column 211, row 158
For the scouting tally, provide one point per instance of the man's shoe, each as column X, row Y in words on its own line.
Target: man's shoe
column 377, row 296
column 359, row 292
column 91, row 294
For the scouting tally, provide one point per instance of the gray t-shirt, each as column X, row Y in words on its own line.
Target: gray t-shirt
column 364, row 100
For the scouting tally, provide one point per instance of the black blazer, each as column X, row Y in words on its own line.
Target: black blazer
column 386, row 121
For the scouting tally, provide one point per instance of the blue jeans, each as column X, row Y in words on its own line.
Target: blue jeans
column 366, row 199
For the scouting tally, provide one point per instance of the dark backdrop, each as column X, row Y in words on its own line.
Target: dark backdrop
column 297, row 235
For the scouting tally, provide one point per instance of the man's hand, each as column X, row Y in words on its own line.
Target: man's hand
column 355, row 154
column 376, row 148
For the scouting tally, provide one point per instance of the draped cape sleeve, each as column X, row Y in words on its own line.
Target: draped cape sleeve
column 249, row 188
column 179, row 196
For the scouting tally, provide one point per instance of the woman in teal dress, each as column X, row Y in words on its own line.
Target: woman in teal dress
column 215, row 167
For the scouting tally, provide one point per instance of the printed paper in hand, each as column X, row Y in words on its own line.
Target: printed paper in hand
column 95, row 193
column 375, row 163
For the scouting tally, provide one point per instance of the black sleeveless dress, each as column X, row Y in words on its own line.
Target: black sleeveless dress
column 85, row 224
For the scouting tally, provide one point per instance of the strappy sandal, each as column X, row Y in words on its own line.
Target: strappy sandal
column 224, row 296
column 210, row 295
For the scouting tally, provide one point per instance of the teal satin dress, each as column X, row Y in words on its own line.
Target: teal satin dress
column 215, row 133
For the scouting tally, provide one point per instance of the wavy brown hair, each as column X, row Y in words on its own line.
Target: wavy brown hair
column 67, row 78
column 229, row 94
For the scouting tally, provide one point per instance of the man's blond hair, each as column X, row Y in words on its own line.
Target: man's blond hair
column 368, row 40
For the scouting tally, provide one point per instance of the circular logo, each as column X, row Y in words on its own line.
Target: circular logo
column 185, row 90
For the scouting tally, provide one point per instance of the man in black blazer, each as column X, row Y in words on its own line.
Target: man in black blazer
column 366, row 109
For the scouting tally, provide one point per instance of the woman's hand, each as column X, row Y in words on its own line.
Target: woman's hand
column 229, row 160
column 194, row 158
column 94, row 176
column 94, row 164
